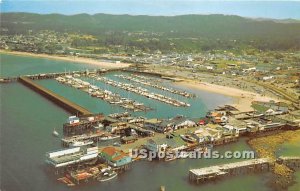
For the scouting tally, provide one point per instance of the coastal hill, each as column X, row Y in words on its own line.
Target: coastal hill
column 196, row 31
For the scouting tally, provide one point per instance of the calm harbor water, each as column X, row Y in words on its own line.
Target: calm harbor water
column 28, row 119
column 19, row 65
column 199, row 105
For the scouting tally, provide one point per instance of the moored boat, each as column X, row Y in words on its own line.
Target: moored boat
column 109, row 137
column 108, row 175
column 81, row 143
column 55, row 133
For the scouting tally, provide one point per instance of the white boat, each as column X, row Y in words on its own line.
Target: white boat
column 81, row 143
column 188, row 138
column 105, row 138
column 55, row 133
column 107, row 176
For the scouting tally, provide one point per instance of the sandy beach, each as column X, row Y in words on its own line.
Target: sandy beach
column 242, row 99
column 76, row 59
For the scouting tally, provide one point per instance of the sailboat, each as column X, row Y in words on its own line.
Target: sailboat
column 55, row 133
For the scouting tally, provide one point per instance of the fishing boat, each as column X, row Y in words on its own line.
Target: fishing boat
column 188, row 138
column 81, row 143
column 107, row 176
column 108, row 137
column 55, row 133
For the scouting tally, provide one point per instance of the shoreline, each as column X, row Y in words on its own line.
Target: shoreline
column 242, row 99
column 73, row 59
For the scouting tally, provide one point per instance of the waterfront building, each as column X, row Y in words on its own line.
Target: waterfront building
column 66, row 157
column 156, row 147
column 115, row 157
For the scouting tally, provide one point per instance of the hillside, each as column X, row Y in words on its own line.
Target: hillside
column 206, row 29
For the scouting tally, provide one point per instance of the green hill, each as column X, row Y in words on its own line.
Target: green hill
column 210, row 30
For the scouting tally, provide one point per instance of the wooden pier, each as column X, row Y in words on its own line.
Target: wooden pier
column 231, row 169
column 57, row 99
column 42, row 76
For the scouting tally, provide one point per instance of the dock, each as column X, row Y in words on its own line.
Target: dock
column 232, row 169
column 42, row 76
column 55, row 98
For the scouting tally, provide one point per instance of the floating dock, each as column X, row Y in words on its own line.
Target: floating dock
column 59, row 100
column 231, row 169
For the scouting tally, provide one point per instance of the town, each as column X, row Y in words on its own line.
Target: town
column 98, row 146
column 113, row 101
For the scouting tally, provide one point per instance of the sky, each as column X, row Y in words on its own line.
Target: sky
column 255, row 9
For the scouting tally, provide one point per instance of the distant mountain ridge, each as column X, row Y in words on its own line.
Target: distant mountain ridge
column 277, row 33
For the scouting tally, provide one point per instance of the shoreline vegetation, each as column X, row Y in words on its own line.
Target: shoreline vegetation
column 267, row 147
column 75, row 59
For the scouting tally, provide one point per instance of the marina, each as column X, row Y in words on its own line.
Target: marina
column 146, row 81
column 138, row 95
column 105, row 95
column 90, row 128
column 142, row 91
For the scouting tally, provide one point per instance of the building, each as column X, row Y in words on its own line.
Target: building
column 73, row 120
column 155, row 147
column 207, row 134
column 66, row 157
column 218, row 117
column 157, row 125
column 180, row 122
column 115, row 157
column 167, row 125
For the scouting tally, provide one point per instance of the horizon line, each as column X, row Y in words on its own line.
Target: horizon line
column 152, row 15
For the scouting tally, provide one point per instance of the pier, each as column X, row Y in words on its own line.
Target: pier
column 292, row 162
column 55, row 98
column 231, row 169
column 42, row 76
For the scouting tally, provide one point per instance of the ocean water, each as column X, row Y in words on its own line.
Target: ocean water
column 199, row 106
column 12, row 66
column 27, row 122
